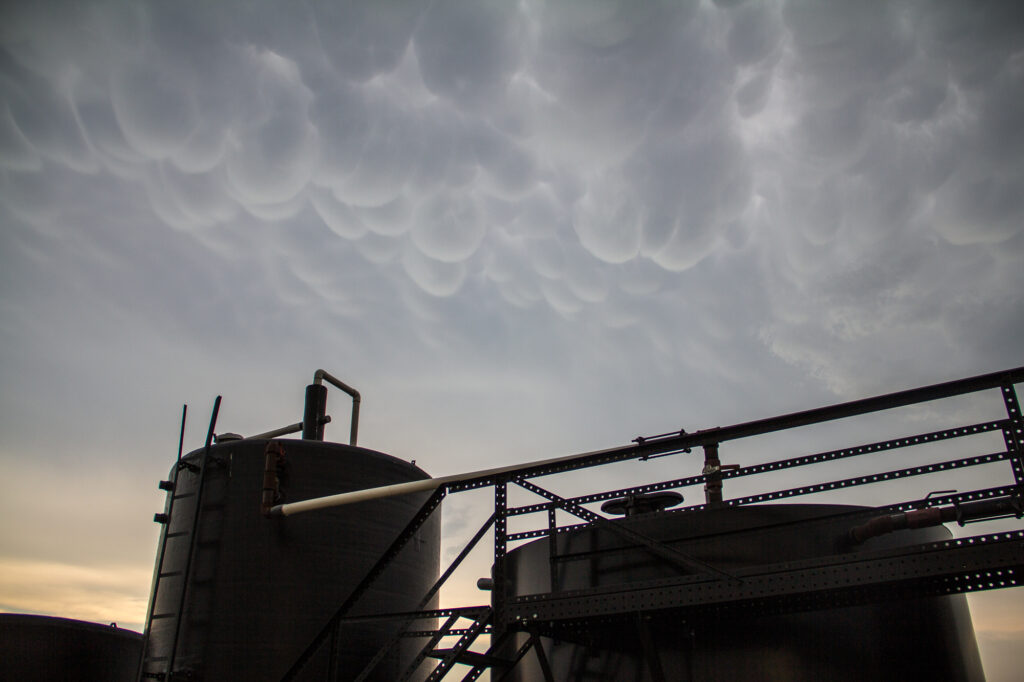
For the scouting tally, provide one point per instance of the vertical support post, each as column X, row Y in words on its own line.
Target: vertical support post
column 499, row 591
column 713, row 473
column 314, row 413
column 1013, row 434
column 553, row 547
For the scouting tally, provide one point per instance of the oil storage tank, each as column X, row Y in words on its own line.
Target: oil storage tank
column 47, row 649
column 911, row 639
column 239, row 596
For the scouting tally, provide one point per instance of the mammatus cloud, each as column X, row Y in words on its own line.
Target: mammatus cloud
column 853, row 167
column 547, row 148
column 887, row 119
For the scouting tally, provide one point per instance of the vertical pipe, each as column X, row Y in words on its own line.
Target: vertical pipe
column 314, row 413
column 713, row 473
column 321, row 376
column 354, row 431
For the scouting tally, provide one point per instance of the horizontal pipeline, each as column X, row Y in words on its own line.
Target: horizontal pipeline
column 1011, row 505
column 668, row 443
column 427, row 484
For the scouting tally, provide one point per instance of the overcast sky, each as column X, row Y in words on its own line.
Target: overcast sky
column 521, row 229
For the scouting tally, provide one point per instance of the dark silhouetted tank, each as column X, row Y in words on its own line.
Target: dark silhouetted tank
column 44, row 649
column 260, row 589
column 914, row 639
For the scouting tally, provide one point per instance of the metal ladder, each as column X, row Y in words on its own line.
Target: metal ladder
column 160, row 665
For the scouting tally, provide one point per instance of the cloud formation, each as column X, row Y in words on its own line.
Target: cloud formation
column 544, row 147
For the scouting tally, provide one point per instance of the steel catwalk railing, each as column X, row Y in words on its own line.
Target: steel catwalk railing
column 939, row 567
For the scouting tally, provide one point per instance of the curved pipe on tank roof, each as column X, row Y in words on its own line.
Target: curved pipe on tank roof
column 322, row 375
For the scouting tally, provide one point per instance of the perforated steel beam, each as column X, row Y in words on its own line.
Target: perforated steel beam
column 948, row 567
column 665, row 443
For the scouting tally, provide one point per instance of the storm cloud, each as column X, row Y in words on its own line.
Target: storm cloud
column 537, row 149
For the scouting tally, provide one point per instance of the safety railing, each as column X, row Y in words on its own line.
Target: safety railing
column 980, row 562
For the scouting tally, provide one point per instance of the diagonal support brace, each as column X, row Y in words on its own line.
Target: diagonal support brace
column 658, row 548
column 330, row 629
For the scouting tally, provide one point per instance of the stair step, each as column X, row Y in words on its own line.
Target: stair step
column 473, row 658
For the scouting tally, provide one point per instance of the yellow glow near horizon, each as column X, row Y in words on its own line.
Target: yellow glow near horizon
column 107, row 594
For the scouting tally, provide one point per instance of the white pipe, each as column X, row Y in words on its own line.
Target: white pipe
column 283, row 431
column 415, row 486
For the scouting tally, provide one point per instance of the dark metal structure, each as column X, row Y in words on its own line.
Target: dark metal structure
column 847, row 567
column 236, row 596
column 45, row 649
column 920, row 638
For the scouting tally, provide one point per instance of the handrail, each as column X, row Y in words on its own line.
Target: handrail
column 666, row 443
column 964, row 574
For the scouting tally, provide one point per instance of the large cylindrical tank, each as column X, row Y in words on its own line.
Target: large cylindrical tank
column 916, row 639
column 46, row 649
column 260, row 589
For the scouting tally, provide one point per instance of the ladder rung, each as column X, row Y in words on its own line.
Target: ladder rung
column 169, row 574
column 177, row 534
column 183, row 495
column 155, row 616
column 155, row 659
